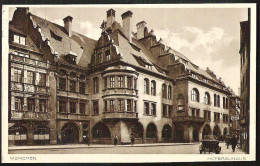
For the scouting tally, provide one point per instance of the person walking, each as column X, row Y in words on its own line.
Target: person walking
column 87, row 140
column 132, row 140
column 227, row 140
column 115, row 140
column 233, row 142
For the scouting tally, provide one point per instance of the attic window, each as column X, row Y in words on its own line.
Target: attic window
column 54, row 36
column 194, row 75
column 148, row 66
column 205, row 80
column 19, row 39
column 71, row 58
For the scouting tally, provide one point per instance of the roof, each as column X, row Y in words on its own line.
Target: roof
column 62, row 44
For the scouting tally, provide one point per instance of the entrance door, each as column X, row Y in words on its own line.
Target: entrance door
column 195, row 135
column 70, row 134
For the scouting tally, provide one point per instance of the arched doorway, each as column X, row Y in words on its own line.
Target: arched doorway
column 167, row 133
column 216, row 131
column 101, row 133
column 41, row 135
column 225, row 131
column 151, row 133
column 70, row 133
column 137, row 131
column 179, row 134
column 17, row 134
column 206, row 131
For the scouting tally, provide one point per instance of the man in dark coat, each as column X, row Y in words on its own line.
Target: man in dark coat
column 227, row 140
column 233, row 142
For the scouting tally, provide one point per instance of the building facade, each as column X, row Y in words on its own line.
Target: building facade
column 125, row 84
column 245, row 81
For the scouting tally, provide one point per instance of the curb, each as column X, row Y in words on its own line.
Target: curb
column 112, row 146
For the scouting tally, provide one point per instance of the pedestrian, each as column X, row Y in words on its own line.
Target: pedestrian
column 132, row 141
column 233, row 142
column 227, row 140
column 115, row 140
column 87, row 140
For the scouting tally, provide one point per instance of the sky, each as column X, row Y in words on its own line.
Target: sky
column 209, row 37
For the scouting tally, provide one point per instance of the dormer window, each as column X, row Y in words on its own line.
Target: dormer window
column 148, row 66
column 71, row 58
column 19, row 39
column 107, row 54
column 205, row 80
column 194, row 75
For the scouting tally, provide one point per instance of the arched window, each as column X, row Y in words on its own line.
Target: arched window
column 146, row 86
column 153, row 88
column 169, row 92
column 207, row 98
column 96, row 85
column 195, row 95
column 164, row 91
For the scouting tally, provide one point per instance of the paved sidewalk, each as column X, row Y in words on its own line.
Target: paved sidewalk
column 76, row 146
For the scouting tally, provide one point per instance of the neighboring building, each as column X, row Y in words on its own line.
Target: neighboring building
column 234, row 110
column 245, row 81
column 125, row 84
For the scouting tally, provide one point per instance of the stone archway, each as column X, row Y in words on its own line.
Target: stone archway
column 70, row 133
column 101, row 133
column 167, row 133
column 137, row 131
column 216, row 131
column 206, row 131
column 151, row 133
column 18, row 134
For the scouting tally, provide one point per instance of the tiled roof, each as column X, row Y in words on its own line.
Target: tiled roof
column 61, row 43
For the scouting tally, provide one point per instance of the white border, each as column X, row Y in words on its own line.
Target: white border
column 116, row 158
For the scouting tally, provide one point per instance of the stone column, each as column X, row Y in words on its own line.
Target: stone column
column 144, row 136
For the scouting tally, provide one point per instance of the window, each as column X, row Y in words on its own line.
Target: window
column 207, row 98
column 170, row 111
column 153, row 109
column 164, row 110
column 73, row 107
column 82, row 88
column 195, row 112
column 216, row 117
column 207, row 115
column 146, row 86
column 42, row 105
column 194, row 75
column 224, row 102
column 227, row 103
column 30, row 77
column 99, row 57
column 19, row 39
column 30, row 104
column 42, row 79
column 112, row 105
column 18, row 103
column 169, row 92
column 121, row 105
column 95, row 107
column 62, row 106
column 62, row 84
column 17, row 75
column 82, row 108
column 195, row 95
column 218, row 99
column 215, row 100
column 148, row 67
column 112, row 81
column 225, row 118
column 129, row 105
column 72, row 86
column 135, row 106
column 120, row 81
column 146, row 108
column 107, row 53
column 164, row 91
column 153, row 88
column 129, row 82
column 135, row 83
column 96, row 85
column 105, row 102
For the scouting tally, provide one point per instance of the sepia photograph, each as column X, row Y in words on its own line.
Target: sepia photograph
column 86, row 80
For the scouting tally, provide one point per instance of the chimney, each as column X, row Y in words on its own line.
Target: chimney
column 24, row 10
column 68, row 25
column 127, row 24
column 110, row 17
column 140, row 29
